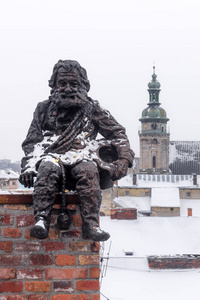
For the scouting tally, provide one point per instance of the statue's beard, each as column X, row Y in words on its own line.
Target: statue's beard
column 78, row 99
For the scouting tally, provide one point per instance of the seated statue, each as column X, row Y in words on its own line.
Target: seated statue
column 62, row 152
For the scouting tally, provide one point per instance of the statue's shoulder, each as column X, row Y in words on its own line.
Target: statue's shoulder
column 43, row 105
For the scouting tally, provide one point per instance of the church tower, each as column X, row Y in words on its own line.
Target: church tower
column 154, row 138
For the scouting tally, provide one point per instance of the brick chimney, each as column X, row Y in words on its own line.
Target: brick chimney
column 63, row 266
column 189, row 212
column 123, row 213
column 194, row 179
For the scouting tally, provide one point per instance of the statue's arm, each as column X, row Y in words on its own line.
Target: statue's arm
column 109, row 128
column 33, row 137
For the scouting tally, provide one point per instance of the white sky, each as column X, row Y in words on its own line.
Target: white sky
column 117, row 42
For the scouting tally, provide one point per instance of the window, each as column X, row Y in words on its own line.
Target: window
column 188, row 194
column 154, row 162
column 13, row 183
column 154, row 142
column 127, row 193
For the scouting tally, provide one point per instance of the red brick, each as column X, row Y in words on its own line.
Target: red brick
column 70, row 234
column 95, row 246
column 63, row 286
column 64, row 260
column 88, row 259
column 71, row 206
column 12, row 232
column 7, row 273
column 41, row 260
column 6, row 246
column 6, row 220
column 87, row 285
column 9, row 260
column 37, row 286
column 77, row 220
column 13, row 297
column 78, row 246
column 95, row 297
column 29, row 274
column 94, row 273
column 69, row 297
column 25, row 220
column 66, row 273
column 27, row 246
column 11, row 286
column 53, row 234
column 53, row 246
column 37, row 297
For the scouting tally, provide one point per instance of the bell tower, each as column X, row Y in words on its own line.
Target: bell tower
column 154, row 138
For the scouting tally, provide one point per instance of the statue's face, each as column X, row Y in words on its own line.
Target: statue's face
column 67, row 84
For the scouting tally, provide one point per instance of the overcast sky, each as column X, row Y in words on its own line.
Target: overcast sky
column 117, row 42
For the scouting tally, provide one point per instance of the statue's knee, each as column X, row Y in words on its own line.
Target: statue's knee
column 48, row 167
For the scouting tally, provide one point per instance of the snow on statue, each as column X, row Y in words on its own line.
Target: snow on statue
column 61, row 151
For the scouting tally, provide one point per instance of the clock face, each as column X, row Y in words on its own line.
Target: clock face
column 154, row 126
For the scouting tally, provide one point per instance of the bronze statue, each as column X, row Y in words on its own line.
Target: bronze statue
column 62, row 152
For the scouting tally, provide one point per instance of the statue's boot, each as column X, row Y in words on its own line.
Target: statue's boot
column 39, row 230
column 95, row 233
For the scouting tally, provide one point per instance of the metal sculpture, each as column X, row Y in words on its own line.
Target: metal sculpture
column 61, row 151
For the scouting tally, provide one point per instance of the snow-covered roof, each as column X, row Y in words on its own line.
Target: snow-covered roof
column 149, row 236
column 126, row 181
column 165, row 197
column 153, row 235
column 129, row 275
column 157, row 180
column 141, row 203
column 8, row 174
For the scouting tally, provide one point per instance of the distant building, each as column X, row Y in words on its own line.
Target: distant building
column 7, row 164
column 154, row 137
column 164, row 181
column 8, row 179
column 184, row 157
column 158, row 154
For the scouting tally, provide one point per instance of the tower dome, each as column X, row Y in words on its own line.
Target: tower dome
column 154, row 112
column 154, row 84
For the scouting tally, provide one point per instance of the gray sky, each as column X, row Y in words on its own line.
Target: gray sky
column 117, row 42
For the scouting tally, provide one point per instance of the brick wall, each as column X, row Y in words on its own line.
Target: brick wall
column 174, row 262
column 62, row 267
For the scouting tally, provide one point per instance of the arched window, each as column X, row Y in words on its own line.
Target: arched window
column 154, row 142
column 154, row 162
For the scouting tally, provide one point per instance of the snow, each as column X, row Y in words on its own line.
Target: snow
column 194, row 204
column 128, row 277
column 165, row 197
column 141, row 203
column 155, row 180
column 8, row 174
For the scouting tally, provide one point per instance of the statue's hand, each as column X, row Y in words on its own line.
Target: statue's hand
column 27, row 179
column 121, row 168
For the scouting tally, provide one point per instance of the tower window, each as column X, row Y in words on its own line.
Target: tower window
column 154, row 162
column 154, row 142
